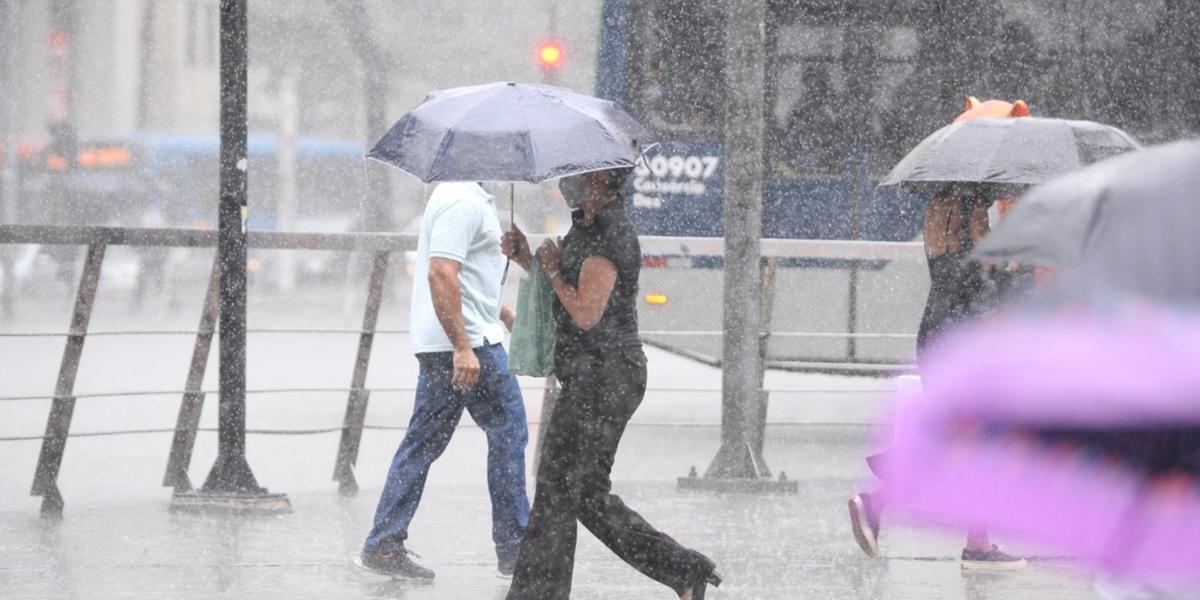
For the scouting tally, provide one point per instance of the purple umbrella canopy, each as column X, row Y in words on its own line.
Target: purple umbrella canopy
column 1078, row 432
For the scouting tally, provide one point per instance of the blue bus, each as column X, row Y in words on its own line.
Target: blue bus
column 851, row 85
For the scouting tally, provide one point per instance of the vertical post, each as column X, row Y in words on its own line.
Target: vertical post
column 58, row 424
column 230, row 485
column 193, row 399
column 739, row 463
column 860, row 181
column 8, row 105
column 8, row 148
column 356, row 405
column 550, row 71
column 288, row 127
column 231, row 473
column 770, row 273
column 744, row 71
column 355, row 20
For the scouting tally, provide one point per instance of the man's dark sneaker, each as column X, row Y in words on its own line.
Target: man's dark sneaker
column 864, row 523
column 397, row 565
column 504, row 567
column 991, row 560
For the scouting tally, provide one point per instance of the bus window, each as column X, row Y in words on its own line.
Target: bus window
column 831, row 86
column 678, row 75
column 852, row 85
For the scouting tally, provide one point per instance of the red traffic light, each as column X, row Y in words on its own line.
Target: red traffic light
column 550, row 54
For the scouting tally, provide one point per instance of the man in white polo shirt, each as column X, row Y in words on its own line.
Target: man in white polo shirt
column 456, row 327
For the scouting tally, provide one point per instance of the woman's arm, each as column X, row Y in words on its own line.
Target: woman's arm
column 586, row 302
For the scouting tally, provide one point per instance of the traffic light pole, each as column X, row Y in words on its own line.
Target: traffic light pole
column 739, row 464
column 231, row 486
column 8, row 139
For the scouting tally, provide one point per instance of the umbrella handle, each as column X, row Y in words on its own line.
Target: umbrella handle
column 512, row 221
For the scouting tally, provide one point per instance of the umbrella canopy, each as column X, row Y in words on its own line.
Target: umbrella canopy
column 511, row 132
column 1133, row 217
column 1006, row 155
column 1093, row 450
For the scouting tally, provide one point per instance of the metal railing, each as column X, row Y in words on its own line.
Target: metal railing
column 97, row 240
column 381, row 245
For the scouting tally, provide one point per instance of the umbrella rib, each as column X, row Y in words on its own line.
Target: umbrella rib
column 527, row 137
column 482, row 97
column 525, row 124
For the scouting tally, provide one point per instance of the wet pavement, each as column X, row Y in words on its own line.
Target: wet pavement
column 768, row 547
column 117, row 539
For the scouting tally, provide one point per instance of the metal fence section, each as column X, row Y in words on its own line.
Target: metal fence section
column 97, row 239
column 839, row 306
column 381, row 246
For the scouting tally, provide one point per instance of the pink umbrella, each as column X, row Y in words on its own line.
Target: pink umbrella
column 1080, row 433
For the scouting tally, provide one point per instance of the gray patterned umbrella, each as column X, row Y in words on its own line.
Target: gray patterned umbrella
column 511, row 132
column 1126, row 225
column 1006, row 155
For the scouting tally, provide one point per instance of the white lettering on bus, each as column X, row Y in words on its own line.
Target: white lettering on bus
column 678, row 166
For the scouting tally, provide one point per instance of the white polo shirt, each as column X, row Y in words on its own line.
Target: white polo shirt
column 460, row 224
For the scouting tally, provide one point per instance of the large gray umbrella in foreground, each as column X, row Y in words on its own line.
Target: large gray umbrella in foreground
column 511, row 132
column 1006, row 155
column 1130, row 224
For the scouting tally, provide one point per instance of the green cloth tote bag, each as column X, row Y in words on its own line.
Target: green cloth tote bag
column 531, row 351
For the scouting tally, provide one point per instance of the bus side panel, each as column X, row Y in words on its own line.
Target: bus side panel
column 612, row 72
column 679, row 190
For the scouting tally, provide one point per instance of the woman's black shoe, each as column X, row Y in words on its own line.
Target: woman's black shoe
column 698, row 588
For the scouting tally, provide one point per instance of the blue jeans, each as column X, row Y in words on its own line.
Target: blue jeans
column 495, row 404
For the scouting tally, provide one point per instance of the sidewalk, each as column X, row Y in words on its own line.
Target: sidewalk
column 768, row 547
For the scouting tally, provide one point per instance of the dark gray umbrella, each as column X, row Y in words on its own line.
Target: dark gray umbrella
column 1006, row 155
column 511, row 132
column 1130, row 224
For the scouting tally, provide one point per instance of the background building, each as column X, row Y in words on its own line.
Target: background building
column 146, row 72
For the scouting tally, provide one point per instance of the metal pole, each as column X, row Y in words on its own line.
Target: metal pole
column 8, row 170
column 739, row 463
column 230, row 485
column 231, row 473
column 860, row 179
column 8, row 47
column 550, row 74
column 770, row 271
column 744, row 72
column 288, row 131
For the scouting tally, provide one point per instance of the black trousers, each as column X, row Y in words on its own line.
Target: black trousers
column 599, row 395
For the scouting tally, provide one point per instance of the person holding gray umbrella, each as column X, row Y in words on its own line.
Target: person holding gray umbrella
column 956, row 219
column 513, row 132
column 600, row 363
column 964, row 167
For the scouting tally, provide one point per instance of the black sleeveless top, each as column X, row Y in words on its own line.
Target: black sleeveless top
column 611, row 235
column 956, row 287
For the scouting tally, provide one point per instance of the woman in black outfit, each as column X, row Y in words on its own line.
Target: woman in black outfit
column 960, row 290
column 602, row 369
